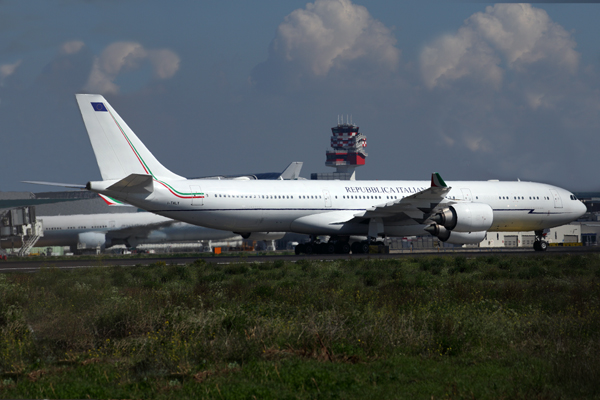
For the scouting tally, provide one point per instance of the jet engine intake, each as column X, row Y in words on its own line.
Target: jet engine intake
column 465, row 217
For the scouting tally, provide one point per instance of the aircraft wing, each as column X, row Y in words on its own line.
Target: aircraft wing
column 140, row 231
column 67, row 185
column 414, row 208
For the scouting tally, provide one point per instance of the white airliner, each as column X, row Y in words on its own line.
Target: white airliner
column 458, row 212
column 130, row 229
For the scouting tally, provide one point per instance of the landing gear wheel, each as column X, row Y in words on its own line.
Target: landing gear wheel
column 364, row 247
column 356, row 248
column 540, row 245
column 342, row 248
column 308, row 248
column 329, row 248
column 299, row 249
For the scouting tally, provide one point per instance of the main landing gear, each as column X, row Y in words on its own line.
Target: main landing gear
column 540, row 244
column 314, row 247
column 334, row 246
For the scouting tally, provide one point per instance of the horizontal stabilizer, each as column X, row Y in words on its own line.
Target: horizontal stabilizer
column 67, row 185
column 134, row 183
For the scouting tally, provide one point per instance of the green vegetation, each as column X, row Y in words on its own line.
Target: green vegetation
column 430, row 327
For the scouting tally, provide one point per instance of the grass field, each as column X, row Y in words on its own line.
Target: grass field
column 431, row 327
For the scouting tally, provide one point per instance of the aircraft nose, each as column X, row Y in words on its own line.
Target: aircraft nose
column 581, row 208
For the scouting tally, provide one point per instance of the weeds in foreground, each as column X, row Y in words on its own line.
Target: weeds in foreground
column 166, row 328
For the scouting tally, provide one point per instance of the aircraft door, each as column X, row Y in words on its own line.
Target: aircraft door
column 557, row 200
column 467, row 196
column 197, row 195
column 327, row 197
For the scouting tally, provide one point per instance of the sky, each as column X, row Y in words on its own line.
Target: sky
column 474, row 91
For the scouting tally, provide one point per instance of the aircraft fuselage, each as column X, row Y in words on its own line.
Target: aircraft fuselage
column 314, row 207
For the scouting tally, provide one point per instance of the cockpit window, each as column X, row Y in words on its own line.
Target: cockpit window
column 573, row 197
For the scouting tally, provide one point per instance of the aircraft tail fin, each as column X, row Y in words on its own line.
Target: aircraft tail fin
column 119, row 152
column 292, row 171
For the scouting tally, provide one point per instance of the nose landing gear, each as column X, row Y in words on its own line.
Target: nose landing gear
column 540, row 244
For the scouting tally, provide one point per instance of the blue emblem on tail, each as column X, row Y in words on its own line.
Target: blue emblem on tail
column 99, row 107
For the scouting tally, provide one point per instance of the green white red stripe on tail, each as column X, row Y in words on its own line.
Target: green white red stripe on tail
column 437, row 181
column 112, row 202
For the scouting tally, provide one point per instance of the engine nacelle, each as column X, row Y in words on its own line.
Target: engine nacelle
column 265, row 235
column 466, row 217
column 466, row 237
column 261, row 235
column 454, row 237
column 92, row 239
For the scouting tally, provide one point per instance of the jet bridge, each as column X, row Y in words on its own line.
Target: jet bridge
column 20, row 224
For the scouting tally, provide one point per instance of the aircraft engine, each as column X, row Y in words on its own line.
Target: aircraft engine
column 92, row 239
column 466, row 237
column 265, row 235
column 453, row 237
column 466, row 217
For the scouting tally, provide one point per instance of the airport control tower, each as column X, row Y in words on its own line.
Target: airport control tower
column 347, row 152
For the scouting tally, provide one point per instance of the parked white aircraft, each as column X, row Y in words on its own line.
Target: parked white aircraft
column 461, row 212
column 130, row 229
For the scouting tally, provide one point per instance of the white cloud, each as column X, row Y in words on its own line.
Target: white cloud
column 72, row 47
column 525, row 35
column 165, row 62
column 120, row 57
column 517, row 36
column 327, row 34
column 452, row 57
column 7, row 70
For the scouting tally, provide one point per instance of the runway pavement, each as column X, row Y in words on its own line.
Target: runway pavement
column 25, row 265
